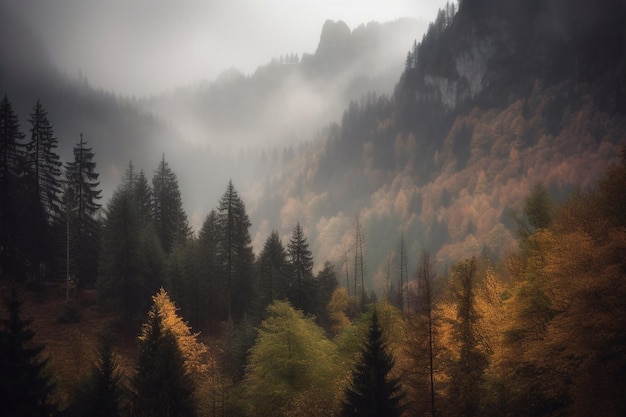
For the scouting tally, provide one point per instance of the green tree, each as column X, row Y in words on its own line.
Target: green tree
column 169, row 217
column 162, row 385
column 131, row 258
column 101, row 394
column 272, row 271
column 43, row 162
column 143, row 198
column 211, row 299
column 372, row 392
column 12, row 158
column 43, row 190
column 25, row 387
column 291, row 366
column 81, row 197
column 301, row 260
column 234, row 253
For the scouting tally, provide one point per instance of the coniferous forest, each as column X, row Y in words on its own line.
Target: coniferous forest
column 485, row 274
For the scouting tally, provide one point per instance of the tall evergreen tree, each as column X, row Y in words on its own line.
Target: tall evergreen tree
column 43, row 185
column 272, row 271
column 235, row 255
column 162, row 386
column 211, row 301
column 130, row 258
column 25, row 387
column 82, row 195
column 371, row 391
column 12, row 157
column 167, row 208
column 43, row 162
column 143, row 198
column 301, row 260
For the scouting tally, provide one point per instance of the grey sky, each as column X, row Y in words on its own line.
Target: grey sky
column 147, row 46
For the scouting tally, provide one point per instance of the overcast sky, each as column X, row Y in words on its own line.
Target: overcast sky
column 143, row 47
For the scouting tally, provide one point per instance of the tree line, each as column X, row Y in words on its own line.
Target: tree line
column 539, row 332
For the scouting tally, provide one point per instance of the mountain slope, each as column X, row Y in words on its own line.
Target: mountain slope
column 488, row 105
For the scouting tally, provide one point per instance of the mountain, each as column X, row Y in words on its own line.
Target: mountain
column 286, row 100
column 497, row 97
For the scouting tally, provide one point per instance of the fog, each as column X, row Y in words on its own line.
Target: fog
column 145, row 47
column 208, row 84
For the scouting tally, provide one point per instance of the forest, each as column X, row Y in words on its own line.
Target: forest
column 457, row 248
column 539, row 332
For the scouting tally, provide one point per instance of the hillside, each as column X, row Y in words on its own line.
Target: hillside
column 488, row 105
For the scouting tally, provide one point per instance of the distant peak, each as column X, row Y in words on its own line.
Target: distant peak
column 335, row 34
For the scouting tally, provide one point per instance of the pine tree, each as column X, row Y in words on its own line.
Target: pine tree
column 120, row 282
column 301, row 260
column 43, row 162
column 235, row 255
column 12, row 158
column 25, row 387
column 169, row 217
column 372, row 392
column 43, row 190
column 100, row 395
column 162, row 386
column 143, row 198
column 81, row 197
column 272, row 271
column 211, row 301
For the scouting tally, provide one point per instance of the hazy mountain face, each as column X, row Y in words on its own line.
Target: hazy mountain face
column 288, row 99
column 202, row 128
column 480, row 111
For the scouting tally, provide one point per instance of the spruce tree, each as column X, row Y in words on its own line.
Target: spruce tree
column 81, row 198
column 371, row 392
column 121, row 271
column 12, row 157
column 143, row 198
column 25, row 387
column 43, row 162
column 210, row 290
column 272, row 271
column 162, row 387
column 169, row 217
column 301, row 261
column 234, row 255
column 43, row 190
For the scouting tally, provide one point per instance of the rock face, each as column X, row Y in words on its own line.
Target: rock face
column 335, row 38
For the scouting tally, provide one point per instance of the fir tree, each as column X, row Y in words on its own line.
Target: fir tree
column 210, row 290
column 43, row 162
column 301, row 261
column 143, row 198
column 42, row 195
column 235, row 255
column 162, row 386
column 169, row 217
column 25, row 387
column 372, row 392
column 120, row 281
column 272, row 271
column 81, row 198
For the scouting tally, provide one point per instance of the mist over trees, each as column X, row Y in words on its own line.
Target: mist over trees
column 271, row 307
